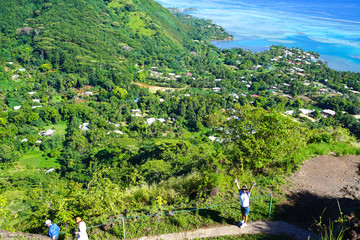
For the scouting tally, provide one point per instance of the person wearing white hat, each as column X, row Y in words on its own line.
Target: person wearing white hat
column 54, row 230
column 81, row 234
column 244, row 202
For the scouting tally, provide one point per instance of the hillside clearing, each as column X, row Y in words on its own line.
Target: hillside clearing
column 153, row 89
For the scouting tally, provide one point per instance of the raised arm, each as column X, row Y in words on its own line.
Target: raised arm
column 253, row 184
column 237, row 184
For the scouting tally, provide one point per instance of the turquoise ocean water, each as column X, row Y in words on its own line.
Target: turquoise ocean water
column 330, row 27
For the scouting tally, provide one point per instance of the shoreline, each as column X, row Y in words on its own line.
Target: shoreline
column 337, row 54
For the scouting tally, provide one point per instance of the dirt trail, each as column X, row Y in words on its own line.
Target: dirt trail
column 328, row 176
column 269, row 227
column 5, row 235
column 322, row 185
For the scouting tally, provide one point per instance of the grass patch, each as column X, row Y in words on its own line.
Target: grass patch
column 126, row 142
column 60, row 128
column 137, row 25
column 57, row 99
column 35, row 159
column 312, row 150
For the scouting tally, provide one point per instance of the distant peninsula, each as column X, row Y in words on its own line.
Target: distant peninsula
column 179, row 10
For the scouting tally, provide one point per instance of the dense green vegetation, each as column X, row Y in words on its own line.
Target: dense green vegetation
column 71, row 77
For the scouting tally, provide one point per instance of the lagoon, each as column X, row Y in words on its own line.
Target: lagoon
column 329, row 27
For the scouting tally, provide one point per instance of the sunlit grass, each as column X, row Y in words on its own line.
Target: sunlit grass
column 35, row 159
column 60, row 128
column 57, row 99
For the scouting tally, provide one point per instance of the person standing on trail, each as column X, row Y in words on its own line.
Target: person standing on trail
column 53, row 229
column 81, row 233
column 244, row 201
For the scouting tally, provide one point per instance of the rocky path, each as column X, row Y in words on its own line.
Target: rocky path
column 269, row 227
column 324, row 186
column 5, row 235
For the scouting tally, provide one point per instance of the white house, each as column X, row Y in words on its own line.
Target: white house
column 36, row 100
column 234, row 95
column 150, row 121
column 116, row 131
column 212, row 138
column 290, row 112
column 50, row 170
column 24, row 140
column 36, row 106
column 48, row 132
column 306, row 111
column 216, row 89
column 329, row 112
column 17, row 107
column 84, row 127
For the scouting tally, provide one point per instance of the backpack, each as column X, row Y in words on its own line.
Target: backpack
column 247, row 193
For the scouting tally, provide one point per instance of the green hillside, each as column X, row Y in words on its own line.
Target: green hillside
column 80, row 36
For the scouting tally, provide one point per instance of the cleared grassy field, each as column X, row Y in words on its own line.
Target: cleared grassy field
column 60, row 128
column 35, row 159
column 57, row 99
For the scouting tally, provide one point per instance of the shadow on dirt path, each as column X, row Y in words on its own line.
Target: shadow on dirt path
column 316, row 188
column 216, row 217
column 305, row 208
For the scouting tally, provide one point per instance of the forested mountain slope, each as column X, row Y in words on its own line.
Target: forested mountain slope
column 95, row 40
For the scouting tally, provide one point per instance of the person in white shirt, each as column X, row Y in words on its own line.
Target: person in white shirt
column 244, row 201
column 81, row 233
